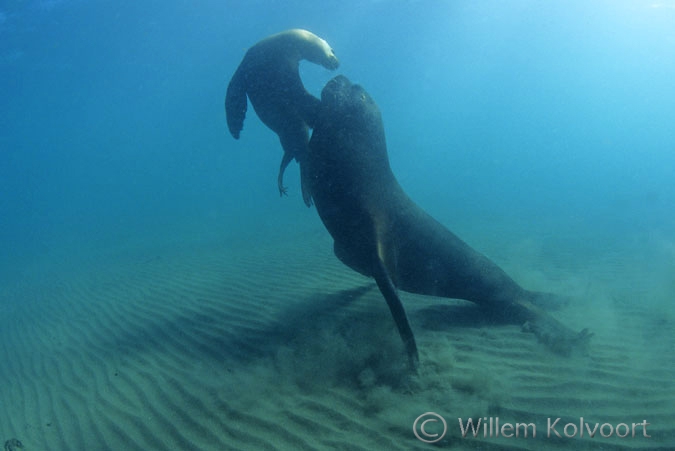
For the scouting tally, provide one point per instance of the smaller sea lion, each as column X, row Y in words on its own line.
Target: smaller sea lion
column 269, row 75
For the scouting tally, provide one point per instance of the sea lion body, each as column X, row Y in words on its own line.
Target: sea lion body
column 269, row 76
column 380, row 232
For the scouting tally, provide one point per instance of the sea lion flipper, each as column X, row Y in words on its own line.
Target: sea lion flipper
column 557, row 337
column 294, row 142
column 551, row 332
column 285, row 161
column 236, row 103
column 388, row 290
column 304, row 187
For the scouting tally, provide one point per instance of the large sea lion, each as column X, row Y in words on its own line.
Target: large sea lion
column 381, row 233
column 269, row 75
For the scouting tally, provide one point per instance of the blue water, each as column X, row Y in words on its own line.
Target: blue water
column 113, row 123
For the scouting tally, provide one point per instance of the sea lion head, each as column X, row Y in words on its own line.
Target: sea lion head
column 316, row 50
column 356, row 110
column 349, row 135
column 328, row 60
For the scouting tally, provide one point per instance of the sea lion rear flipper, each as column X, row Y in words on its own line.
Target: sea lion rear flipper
column 294, row 141
column 285, row 161
column 557, row 337
column 235, row 103
column 388, row 290
column 551, row 332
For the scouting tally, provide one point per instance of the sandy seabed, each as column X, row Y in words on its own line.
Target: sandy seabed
column 221, row 346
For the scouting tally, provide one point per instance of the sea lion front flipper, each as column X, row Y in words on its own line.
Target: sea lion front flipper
column 236, row 103
column 305, row 183
column 388, row 290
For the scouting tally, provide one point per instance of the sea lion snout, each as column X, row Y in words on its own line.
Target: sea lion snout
column 332, row 61
column 334, row 91
column 341, row 94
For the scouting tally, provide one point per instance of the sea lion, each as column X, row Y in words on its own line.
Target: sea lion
column 269, row 75
column 381, row 233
